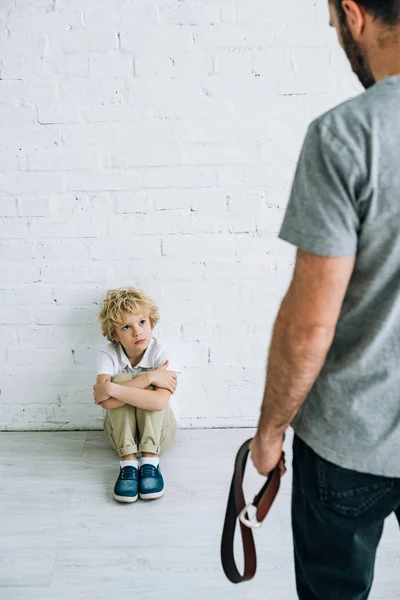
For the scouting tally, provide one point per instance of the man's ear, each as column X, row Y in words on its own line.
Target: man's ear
column 356, row 18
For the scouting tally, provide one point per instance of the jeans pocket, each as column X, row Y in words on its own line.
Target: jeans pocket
column 348, row 492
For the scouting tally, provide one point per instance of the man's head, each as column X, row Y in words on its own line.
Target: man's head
column 128, row 316
column 363, row 26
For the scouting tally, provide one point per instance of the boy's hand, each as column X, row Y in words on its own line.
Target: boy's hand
column 161, row 378
column 101, row 392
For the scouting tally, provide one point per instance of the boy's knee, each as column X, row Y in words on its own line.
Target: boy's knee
column 122, row 378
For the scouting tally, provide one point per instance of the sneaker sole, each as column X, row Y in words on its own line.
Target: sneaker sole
column 152, row 496
column 126, row 499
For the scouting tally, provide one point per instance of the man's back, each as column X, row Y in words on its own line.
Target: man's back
column 345, row 200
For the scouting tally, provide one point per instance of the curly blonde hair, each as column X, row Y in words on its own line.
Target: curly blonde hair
column 125, row 299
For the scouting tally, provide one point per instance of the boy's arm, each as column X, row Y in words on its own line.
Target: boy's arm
column 156, row 399
column 110, row 402
column 142, row 381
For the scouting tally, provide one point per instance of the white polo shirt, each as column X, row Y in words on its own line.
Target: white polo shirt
column 112, row 360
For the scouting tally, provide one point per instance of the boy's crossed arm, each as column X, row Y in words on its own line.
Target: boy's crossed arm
column 113, row 395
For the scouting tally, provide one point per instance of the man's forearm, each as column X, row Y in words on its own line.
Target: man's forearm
column 296, row 358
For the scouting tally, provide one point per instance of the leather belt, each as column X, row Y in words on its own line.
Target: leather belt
column 237, row 509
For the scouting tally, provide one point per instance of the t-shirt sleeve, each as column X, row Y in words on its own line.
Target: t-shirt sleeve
column 322, row 213
column 105, row 364
column 164, row 353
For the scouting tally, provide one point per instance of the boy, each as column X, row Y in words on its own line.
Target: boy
column 135, row 387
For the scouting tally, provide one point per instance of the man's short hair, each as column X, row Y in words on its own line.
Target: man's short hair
column 387, row 11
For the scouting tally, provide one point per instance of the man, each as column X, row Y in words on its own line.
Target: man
column 334, row 364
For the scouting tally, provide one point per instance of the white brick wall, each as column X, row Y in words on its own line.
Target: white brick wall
column 150, row 144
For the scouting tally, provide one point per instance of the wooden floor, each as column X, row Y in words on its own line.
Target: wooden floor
column 62, row 536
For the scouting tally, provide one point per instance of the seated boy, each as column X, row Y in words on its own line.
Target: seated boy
column 135, row 387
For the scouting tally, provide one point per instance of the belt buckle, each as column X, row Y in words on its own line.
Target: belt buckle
column 248, row 522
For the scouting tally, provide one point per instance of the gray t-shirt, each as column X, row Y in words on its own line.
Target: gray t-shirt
column 345, row 200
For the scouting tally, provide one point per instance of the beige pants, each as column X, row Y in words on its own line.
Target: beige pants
column 131, row 430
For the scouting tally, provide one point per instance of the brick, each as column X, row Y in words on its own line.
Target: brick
column 17, row 249
column 60, row 160
column 104, row 180
column 13, row 315
column 33, row 207
column 146, row 155
column 79, row 296
column 193, row 14
column 130, row 18
column 43, row 22
column 155, row 38
column 13, row 228
column 180, row 98
column 132, row 202
column 81, row 334
column 91, row 205
column 121, row 247
column 232, row 35
column 221, row 154
column 8, row 207
column 91, row 91
column 34, row 336
column 21, row 67
column 91, row 273
column 233, row 60
column 34, row 4
column 34, row 139
column 42, row 358
column 186, row 177
column 63, row 315
column 73, row 66
column 24, row 182
column 193, row 354
column 64, row 251
column 33, row 294
column 17, row 115
column 23, row 44
column 200, row 246
column 7, row 297
column 19, row 274
column 81, row 42
column 118, row 65
column 117, row 113
column 42, row 228
column 9, row 162
column 11, row 91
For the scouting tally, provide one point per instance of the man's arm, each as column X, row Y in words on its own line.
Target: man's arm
column 302, row 336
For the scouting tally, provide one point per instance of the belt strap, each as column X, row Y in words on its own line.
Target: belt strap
column 237, row 508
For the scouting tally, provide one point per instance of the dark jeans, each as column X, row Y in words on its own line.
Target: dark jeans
column 337, row 519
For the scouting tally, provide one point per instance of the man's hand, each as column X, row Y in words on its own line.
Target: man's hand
column 101, row 392
column 266, row 451
column 161, row 378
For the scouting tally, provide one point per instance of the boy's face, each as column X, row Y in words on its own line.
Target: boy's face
column 134, row 333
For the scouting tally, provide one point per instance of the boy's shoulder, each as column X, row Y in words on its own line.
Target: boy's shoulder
column 159, row 348
column 111, row 348
column 160, row 352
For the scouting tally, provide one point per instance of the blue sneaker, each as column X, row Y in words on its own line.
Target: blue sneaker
column 126, row 486
column 151, row 482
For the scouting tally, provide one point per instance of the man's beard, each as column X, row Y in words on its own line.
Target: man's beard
column 358, row 61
